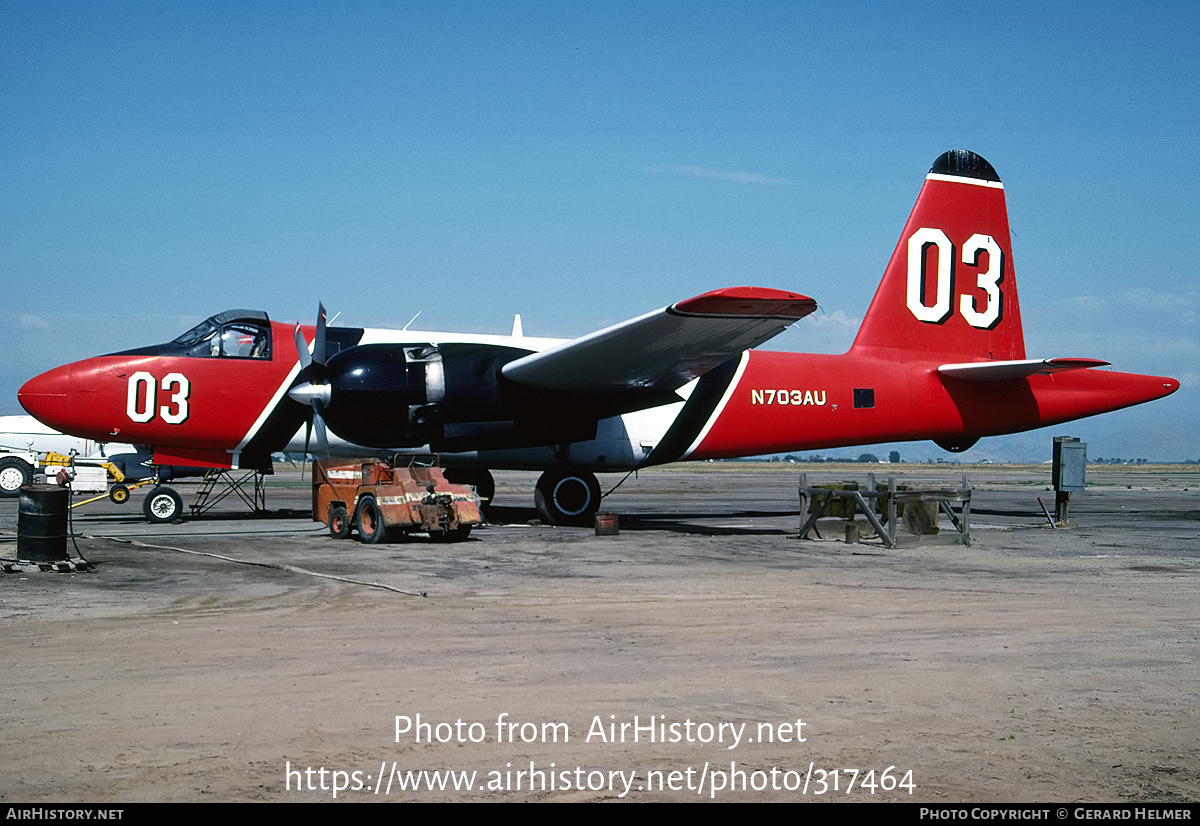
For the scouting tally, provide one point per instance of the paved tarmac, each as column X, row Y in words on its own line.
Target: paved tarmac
column 234, row 657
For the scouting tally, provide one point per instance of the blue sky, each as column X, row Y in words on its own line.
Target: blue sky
column 581, row 163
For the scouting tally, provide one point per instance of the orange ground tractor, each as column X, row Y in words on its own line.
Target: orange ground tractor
column 386, row 499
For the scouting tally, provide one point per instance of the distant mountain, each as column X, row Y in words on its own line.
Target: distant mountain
column 1156, row 445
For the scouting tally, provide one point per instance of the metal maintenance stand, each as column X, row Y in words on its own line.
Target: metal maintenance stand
column 250, row 487
column 864, row 501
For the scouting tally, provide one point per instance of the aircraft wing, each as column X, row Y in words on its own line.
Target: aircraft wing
column 1003, row 370
column 665, row 349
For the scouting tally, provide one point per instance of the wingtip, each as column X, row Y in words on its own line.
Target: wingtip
column 747, row 301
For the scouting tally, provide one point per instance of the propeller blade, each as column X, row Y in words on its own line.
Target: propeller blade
column 319, row 339
column 307, row 434
column 312, row 389
column 307, row 437
column 318, row 424
column 302, row 350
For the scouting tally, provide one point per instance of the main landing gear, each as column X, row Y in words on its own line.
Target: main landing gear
column 567, row 496
column 564, row 495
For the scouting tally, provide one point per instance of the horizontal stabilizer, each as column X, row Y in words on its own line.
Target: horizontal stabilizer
column 665, row 349
column 1005, row 370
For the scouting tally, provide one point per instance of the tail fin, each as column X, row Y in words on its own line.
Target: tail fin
column 949, row 288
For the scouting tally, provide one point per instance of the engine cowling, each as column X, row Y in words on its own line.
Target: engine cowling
column 447, row 396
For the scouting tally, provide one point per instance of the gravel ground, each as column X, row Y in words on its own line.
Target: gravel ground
column 704, row 653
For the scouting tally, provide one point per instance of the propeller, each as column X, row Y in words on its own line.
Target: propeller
column 313, row 389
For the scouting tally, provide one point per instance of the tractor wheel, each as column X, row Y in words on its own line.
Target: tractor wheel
column 369, row 519
column 14, row 472
column 339, row 522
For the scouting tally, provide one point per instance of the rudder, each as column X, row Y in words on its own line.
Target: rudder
column 949, row 286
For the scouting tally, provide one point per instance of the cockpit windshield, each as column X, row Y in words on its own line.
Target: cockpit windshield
column 234, row 334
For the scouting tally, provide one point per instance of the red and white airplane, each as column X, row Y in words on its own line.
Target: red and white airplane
column 940, row 355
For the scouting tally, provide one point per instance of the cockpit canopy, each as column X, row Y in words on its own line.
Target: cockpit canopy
column 231, row 334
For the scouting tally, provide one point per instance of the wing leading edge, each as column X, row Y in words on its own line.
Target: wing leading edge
column 665, row 349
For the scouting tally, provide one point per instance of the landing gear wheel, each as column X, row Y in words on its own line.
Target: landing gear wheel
column 162, row 504
column 14, row 472
column 479, row 478
column 567, row 496
column 339, row 522
column 370, row 521
column 119, row 494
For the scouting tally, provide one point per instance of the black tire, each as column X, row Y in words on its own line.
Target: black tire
column 567, row 496
column 339, row 522
column 162, row 504
column 14, row 472
column 479, row 478
column 369, row 519
column 119, row 494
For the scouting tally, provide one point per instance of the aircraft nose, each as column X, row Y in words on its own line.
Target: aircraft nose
column 48, row 397
column 86, row 398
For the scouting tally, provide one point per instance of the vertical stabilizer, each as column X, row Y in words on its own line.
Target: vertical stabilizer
column 949, row 288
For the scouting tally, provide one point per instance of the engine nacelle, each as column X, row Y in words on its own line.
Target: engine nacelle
column 448, row 396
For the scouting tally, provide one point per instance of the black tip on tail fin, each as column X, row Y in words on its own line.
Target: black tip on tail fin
column 963, row 163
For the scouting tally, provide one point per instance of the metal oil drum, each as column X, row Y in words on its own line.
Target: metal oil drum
column 42, row 523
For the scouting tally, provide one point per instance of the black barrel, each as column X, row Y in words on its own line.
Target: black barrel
column 42, row 523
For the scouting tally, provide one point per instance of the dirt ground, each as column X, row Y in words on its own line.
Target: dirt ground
column 1030, row 664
